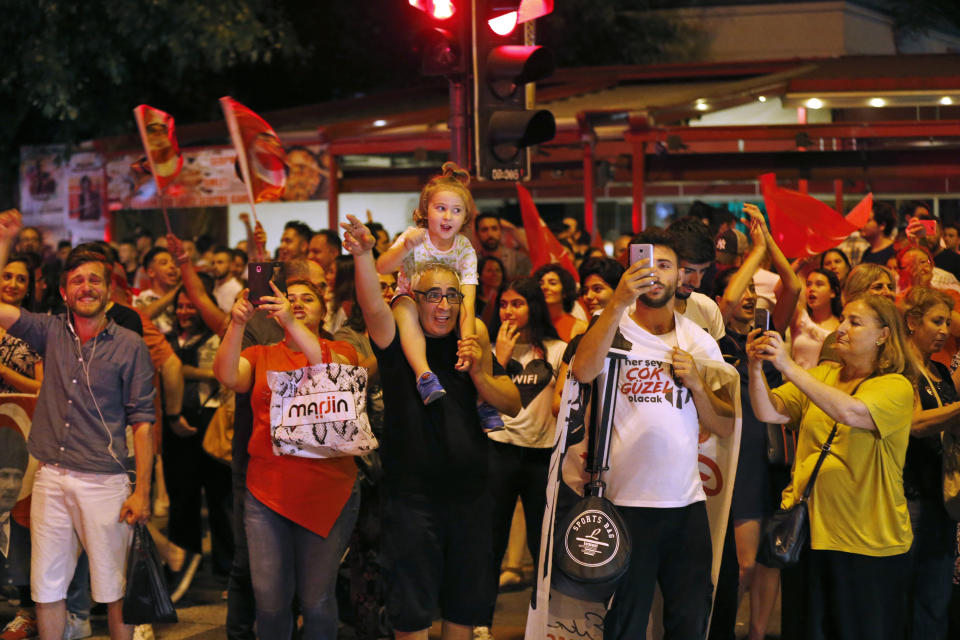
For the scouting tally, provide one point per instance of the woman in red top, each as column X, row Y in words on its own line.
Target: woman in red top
column 299, row 511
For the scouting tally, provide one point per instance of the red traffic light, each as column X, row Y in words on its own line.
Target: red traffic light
column 506, row 15
column 438, row 9
column 503, row 25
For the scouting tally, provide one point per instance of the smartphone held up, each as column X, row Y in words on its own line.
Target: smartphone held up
column 261, row 274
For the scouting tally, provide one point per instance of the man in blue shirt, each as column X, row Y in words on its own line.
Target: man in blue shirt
column 98, row 381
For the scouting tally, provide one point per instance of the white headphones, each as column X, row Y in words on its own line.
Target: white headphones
column 86, row 375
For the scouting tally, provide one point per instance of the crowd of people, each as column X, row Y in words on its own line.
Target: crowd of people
column 477, row 343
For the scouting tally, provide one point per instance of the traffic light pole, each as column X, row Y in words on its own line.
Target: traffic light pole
column 459, row 115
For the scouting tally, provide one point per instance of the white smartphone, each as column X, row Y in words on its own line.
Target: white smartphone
column 641, row 253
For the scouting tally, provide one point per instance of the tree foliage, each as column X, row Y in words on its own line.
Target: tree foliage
column 614, row 32
column 72, row 71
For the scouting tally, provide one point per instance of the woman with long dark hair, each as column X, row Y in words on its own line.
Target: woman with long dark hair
column 817, row 315
column 493, row 277
column 837, row 261
column 527, row 346
column 560, row 291
column 21, row 368
column 299, row 512
column 188, row 471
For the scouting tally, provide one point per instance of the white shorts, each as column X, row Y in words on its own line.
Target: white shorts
column 70, row 509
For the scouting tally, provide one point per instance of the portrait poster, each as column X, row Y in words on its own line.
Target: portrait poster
column 43, row 188
column 309, row 173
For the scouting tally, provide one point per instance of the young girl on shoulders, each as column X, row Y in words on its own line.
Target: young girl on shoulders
column 446, row 205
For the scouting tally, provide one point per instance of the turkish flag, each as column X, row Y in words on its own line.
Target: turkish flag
column 262, row 159
column 163, row 159
column 543, row 245
column 804, row 226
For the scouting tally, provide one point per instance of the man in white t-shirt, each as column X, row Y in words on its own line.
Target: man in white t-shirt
column 226, row 287
column 662, row 402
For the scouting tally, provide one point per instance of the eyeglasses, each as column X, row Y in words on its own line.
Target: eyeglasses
column 386, row 285
column 434, row 296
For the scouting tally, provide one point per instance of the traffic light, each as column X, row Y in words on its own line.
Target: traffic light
column 503, row 64
column 444, row 42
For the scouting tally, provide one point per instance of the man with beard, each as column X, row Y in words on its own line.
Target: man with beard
column 226, row 287
column 102, row 383
column 662, row 401
column 696, row 253
column 489, row 231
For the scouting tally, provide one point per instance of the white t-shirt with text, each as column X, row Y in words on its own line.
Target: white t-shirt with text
column 653, row 449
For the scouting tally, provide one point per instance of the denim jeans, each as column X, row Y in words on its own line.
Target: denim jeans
column 287, row 559
column 241, row 606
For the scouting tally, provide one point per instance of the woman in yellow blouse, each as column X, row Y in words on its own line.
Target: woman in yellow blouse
column 849, row 582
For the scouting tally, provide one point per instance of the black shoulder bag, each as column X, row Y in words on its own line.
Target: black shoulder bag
column 591, row 544
column 786, row 532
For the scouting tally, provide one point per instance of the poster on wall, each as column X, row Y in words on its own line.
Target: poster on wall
column 308, row 173
column 209, row 178
column 86, row 197
column 43, row 185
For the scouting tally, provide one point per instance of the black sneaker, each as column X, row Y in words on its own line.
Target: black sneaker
column 179, row 581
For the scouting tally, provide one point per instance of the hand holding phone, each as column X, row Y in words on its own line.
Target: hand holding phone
column 929, row 227
column 761, row 319
column 261, row 274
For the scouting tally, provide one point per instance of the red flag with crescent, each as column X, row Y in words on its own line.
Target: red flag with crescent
column 543, row 245
column 159, row 139
column 804, row 226
column 262, row 159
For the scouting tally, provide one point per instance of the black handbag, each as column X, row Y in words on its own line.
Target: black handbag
column 147, row 599
column 786, row 532
column 591, row 548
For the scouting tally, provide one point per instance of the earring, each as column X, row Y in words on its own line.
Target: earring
column 879, row 342
column 909, row 331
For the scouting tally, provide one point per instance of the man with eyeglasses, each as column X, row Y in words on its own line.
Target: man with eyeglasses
column 435, row 506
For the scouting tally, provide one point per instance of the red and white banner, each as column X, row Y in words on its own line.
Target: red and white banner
column 159, row 143
column 262, row 159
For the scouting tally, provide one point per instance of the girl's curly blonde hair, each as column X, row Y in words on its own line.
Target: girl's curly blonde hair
column 452, row 178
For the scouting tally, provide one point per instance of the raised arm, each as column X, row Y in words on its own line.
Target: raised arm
column 596, row 342
column 740, row 280
column 791, row 287
column 232, row 370
column 392, row 258
column 836, row 403
column 766, row 406
column 279, row 308
column 10, row 224
column 358, row 240
column 211, row 314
